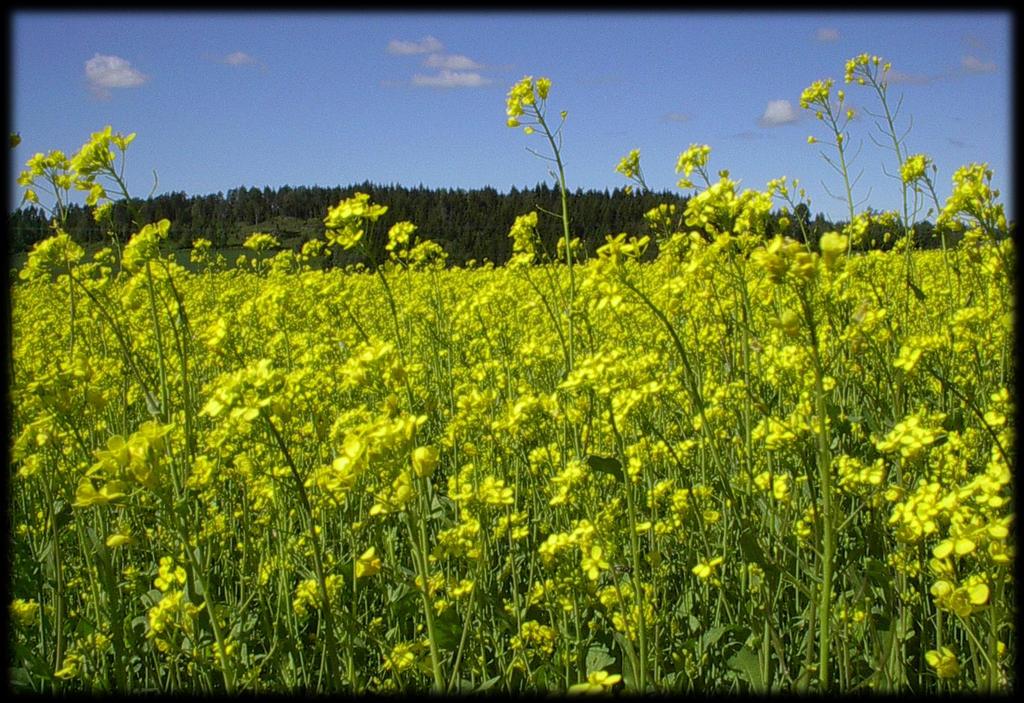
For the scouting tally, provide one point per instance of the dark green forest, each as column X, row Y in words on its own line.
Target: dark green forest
column 471, row 225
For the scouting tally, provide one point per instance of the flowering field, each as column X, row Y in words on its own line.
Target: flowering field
column 746, row 464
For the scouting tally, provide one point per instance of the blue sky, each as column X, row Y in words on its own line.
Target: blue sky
column 270, row 99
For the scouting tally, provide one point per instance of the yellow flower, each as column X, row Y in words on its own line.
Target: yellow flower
column 463, row 588
column 597, row 682
column 944, row 662
column 71, row 667
column 23, row 612
column 399, row 235
column 145, row 245
column 402, row 657
column 629, row 166
column 520, row 94
column 424, row 461
column 817, row 93
column 696, row 157
column 705, row 568
column 169, row 574
column 914, row 168
column 543, row 86
column 122, row 141
column 833, row 245
column 87, row 496
column 595, row 563
column 343, row 220
column 368, row 564
column 118, row 540
column 261, row 241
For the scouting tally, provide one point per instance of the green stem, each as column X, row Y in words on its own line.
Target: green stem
column 164, row 395
column 331, row 649
column 418, row 544
column 58, row 654
column 197, row 572
column 634, row 544
column 827, row 518
column 565, row 232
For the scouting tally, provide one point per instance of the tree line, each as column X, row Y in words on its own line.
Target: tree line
column 469, row 224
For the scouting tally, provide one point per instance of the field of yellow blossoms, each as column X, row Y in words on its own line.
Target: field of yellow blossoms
column 744, row 465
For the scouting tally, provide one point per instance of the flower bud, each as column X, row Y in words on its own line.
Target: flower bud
column 424, row 461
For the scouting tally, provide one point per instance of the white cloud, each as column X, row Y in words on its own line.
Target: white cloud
column 453, row 62
column 778, row 112
column 827, row 34
column 453, row 70
column 451, row 79
column 238, row 58
column 973, row 64
column 426, row 45
column 104, row 72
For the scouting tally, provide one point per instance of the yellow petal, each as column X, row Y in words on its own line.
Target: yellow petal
column 964, row 546
column 978, row 594
column 118, row 540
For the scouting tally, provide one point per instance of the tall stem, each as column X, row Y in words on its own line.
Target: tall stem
column 825, row 482
column 418, row 544
column 843, row 166
column 331, row 649
column 565, row 233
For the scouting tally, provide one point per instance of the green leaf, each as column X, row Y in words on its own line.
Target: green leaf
column 750, row 547
column 606, row 465
column 598, row 658
column 20, row 680
column 629, row 676
column 140, row 623
column 487, row 684
column 448, row 629
column 694, row 624
column 745, row 662
column 61, row 513
column 879, row 575
column 918, row 293
column 36, row 664
column 712, row 636
column 442, row 508
column 954, row 421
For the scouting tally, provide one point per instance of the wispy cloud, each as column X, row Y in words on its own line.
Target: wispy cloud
column 238, row 58
column 453, row 70
column 969, row 65
column 778, row 112
column 604, row 80
column 451, row 79
column 676, row 117
column 973, row 41
column 105, row 72
column 749, row 134
column 452, row 62
column 827, row 34
column 972, row 64
column 426, row 45
column 899, row 77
